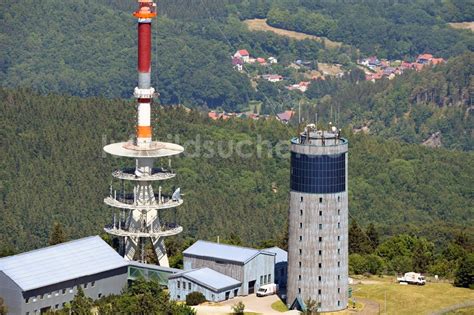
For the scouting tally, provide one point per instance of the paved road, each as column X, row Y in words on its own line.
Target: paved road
column 252, row 304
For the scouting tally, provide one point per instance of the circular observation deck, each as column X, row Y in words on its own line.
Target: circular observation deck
column 128, row 203
column 156, row 174
column 155, row 149
column 164, row 231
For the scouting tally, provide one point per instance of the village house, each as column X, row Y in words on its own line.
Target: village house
column 272, row 77
column 242, row 54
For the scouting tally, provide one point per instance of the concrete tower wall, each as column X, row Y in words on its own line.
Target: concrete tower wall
column 318, row 224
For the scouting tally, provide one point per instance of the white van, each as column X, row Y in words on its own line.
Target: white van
column 267, row 289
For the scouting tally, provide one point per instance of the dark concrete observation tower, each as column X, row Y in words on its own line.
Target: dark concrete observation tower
column 318, row 220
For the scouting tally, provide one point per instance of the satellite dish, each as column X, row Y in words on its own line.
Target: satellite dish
column 176, row 195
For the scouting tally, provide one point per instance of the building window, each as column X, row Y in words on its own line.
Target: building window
column 301, row 199
column 64, row 291
column 320, row 226
column 319, row 304
column 299, row 290
column 320, row 200
column 320, row 265
column 320, row 252
column 320, row 213
column 338, row 290
column 319, row 291
column 319, row 278
column 269, row 278
column 299, row 263
column 85, row 285
column 338, row 211
column 338, row 251
column 99, row 295
column 338, row 303
column 301, row 238
column 56, row 306
column 27, row 300
column 179, row 284
column 339, row 198
column 301, row 251
column 189, row 285
column 301, row 225
column 338, row 277
column 93, row 284
column 179, row 297
column 339, row 264
column 320, row 239
column 265, row 279
column 299, row 277
column 261, row 280
column 338, row 225
column 338, row 237
column 301, row 212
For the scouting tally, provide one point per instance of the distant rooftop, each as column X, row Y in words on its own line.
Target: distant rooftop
column 223, row 251
column 281, row 254
column 62, row 262
column 209, row 278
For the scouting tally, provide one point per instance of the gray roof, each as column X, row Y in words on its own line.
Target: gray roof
column 154, row 267
column 209, row 278
column 281, row 254
column 62, row 262
column 223, row 251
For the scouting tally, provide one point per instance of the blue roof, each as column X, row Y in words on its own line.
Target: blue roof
column 62, row 262
column 281, row 254
column 223, row 251
column 209, row 278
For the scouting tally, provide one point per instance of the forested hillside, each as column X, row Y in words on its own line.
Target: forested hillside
column 389, row 29
column 52, row 169
column 411, row 107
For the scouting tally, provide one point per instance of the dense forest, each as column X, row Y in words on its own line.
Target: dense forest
column 93, row 55
column 52, row 169
column 411, row 107
column 389, row 29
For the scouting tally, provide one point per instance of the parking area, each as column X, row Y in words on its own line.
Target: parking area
column 261, row 305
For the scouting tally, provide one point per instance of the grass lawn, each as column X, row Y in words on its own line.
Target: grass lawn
column 279, row 306
column 412, row 299
column 261, row 25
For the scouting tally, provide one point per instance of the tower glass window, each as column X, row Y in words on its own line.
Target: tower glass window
column 318, row 174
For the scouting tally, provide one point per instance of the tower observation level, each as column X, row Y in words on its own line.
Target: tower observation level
column 140, row 214
column 318, row 220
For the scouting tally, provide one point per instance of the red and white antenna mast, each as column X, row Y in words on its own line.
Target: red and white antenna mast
column 139, row 211
column 144, row 92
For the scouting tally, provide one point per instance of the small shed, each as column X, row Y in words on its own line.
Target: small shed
column 213, row 285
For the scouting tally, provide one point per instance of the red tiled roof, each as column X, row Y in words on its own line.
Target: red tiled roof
column 243, row 52
column 436, row 61
column 425, row 56
column 286, row 115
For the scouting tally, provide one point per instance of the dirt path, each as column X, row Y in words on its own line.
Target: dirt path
column 370, row 307
column 463, row 25
column 261, row 25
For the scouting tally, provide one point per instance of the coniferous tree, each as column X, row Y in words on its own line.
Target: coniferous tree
column 57, row 234
column 465, row 273
column 3, row 307
column 373, row 236
column 81, row 305
column 358, row 242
